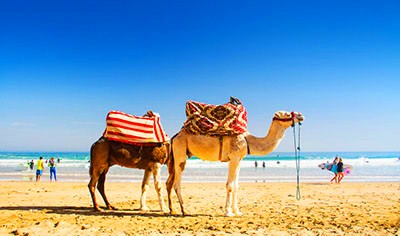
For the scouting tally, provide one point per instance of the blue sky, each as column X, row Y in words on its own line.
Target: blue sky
column 65, row 64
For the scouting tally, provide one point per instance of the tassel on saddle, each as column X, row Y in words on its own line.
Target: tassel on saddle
column 235, row 101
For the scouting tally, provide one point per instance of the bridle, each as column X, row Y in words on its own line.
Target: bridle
column 296, row 153
column 291, row 118
column 296, row 147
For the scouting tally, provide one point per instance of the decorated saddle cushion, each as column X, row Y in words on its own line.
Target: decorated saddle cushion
column 132, row 129
column 216, row 120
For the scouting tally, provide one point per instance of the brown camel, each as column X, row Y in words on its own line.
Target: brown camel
column 105, row 153
column 234, row 149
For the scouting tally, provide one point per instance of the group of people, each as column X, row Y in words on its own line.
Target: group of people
column 40, row 168
column 256, row 164
column 337, row 169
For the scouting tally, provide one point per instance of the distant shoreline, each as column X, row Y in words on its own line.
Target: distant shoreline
column 368, row 167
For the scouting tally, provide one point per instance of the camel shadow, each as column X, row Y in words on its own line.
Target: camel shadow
column 316, row 183
column 89, row 211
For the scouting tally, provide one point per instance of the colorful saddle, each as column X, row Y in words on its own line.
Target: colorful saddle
column 216, row 120
column 135, row 130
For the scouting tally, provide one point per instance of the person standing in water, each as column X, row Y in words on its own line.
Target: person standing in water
column 31, row 164
column 52, row 165
column 39, row 169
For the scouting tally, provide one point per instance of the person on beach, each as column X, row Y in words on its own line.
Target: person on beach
column 52, row 165
column 255, row 164
column 334, row 170
column 263, row 164
column 31, row 164
column 28, row 165
column 340, row 173
column 39, row 169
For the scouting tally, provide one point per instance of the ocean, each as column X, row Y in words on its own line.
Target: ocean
column 279, row 167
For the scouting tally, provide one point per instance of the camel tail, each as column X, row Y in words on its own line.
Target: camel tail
column 170, row 161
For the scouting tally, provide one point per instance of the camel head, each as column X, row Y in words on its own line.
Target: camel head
column 288, row 118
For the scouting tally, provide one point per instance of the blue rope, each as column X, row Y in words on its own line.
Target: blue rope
column 297, row 157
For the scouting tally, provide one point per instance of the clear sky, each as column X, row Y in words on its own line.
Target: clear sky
column 64, row 64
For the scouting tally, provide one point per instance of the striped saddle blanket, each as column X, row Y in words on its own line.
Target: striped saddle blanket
column 216, row 120
column 136, row 130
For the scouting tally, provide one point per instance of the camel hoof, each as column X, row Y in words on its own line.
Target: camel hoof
column 144, row 209
column 164, row 210
column 238, row 213
column 229, row 214
column 109, row 207
column 97, row 209
column 172, row 212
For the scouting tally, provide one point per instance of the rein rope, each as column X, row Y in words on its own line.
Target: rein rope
column 297, row 156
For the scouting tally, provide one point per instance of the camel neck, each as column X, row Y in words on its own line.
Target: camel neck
column 260, row 146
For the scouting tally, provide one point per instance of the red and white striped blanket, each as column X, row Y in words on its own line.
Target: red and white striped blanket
column 132, row 129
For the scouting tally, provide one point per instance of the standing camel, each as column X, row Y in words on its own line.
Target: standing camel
column 230, row 149
column 105, row 153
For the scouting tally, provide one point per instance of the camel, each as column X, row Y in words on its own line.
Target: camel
column 105, row 153
column 230, row 149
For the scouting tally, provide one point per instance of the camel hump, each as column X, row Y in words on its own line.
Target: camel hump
column 216, row 120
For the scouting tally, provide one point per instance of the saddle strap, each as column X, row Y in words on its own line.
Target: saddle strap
column 247, row 144
column 221, row 144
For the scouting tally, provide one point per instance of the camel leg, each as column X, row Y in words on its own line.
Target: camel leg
column 174, row 180
column 231, row 188
column 92, row 188
column 177, row 183
column 236, row 210
column 157, row 185
column 96, row 173
column 169, row 183
column 100, row 187
column 98, row 169
column 179, row 156
column 145, row 187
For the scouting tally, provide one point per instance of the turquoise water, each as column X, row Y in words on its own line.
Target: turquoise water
column 73, row 166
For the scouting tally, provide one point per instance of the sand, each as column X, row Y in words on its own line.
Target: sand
column 65, row 208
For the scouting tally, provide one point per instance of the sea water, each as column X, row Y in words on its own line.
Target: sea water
column 279, row 167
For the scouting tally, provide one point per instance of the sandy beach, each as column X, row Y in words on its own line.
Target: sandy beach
column 63, row 208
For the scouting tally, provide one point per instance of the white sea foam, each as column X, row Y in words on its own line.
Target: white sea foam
column 74, row 167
